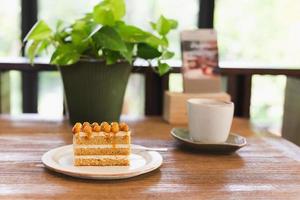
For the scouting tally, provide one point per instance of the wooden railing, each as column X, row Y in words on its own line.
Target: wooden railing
column 238, row 82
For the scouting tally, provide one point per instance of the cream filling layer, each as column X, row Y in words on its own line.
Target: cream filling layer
column 113, row 157
column 101, row 146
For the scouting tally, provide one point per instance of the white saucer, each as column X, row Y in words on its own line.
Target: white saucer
column 61, row 160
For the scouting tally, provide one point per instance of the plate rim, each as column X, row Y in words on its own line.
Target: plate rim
column 208, row 144
column 49, row 163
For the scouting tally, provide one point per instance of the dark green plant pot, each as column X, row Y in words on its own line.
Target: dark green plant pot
column 94, row 91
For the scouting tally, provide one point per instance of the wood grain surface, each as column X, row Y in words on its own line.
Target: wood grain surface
column 267, row 168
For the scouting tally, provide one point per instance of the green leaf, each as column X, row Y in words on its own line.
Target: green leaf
column 65, row 54
column 60, row 32
column 131, row 33
column 165, row 41
column 173, row 23
column 35, row 47
column 77, row 37
column 95, row 30
column 162, row 68
column 109, row 11
column 103, row 15
column 129, row 53
column 111, row 56
column 42, row 46
column 164, row 25
column 31, row 49
column 39, row 31
column 167, row 55
column 108, row 38
column 154, row 41
column 59, row 26
column 79, row 41
column 153, row 25
column 88, row 17
column 80, row 34
column 118, row 7
column 60, row 37
column 80, row 25
column 147, row 52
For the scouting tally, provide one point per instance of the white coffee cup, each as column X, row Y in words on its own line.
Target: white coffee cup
column 209, row 120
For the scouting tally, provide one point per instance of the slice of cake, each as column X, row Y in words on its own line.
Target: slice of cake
column 101, row 145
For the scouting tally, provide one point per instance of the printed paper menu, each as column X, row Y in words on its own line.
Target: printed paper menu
column 199, row 53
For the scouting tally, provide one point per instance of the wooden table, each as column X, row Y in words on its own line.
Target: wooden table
column 268, row 167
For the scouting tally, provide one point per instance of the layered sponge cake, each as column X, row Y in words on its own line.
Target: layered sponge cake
column 101, row 145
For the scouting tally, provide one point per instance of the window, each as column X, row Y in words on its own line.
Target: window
column 50, row 94
column 10, row 28
column 260, row 33
column 10, row 46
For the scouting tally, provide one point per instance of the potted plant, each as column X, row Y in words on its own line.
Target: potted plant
column 95, row 54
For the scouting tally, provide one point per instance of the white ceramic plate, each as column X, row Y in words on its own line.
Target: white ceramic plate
column 61, row 160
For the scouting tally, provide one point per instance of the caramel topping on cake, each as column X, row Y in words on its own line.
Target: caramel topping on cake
column 86, row 127
column 94, row 124
column 85, row 124
column 97, row 128
column 115, row 127
column 77, row 128
column 124, row 127
column 106, row 128
column 103, row 124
